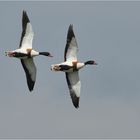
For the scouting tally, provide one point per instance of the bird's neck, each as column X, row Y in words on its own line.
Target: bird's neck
column 43, row 53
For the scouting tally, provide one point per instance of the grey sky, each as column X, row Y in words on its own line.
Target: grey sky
column 108, row 32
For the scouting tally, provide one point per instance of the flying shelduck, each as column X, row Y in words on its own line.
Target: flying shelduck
column 25, row 52
column 71, row 66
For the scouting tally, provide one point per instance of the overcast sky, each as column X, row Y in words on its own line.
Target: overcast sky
column 108, row 32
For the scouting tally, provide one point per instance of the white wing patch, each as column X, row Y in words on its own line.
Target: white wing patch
column 28, row 37
column 74, row 83
column 72, row 50
column 76, row 88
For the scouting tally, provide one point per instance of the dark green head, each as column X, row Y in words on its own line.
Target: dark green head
column 90, row 62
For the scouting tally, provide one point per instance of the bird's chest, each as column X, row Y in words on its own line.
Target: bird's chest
column 74, row 66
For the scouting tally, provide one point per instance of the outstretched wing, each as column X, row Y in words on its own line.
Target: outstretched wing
column 74, row 85
column 30, row 71
column 27, row 32
column 71, row 48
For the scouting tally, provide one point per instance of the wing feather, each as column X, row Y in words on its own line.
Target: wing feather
column 30, row 71
column 74, row 85
column 71, row 48
column 27, row 32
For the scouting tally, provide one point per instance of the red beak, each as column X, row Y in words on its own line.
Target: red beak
column 50, row 55
column 95, row 63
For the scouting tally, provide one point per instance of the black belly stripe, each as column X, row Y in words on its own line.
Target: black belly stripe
column 17, row 54
column 64, row 67
column 20, row 55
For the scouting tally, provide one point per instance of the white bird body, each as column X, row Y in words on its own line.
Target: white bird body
column 67, row 66
column 25, row 52
column 71, row 67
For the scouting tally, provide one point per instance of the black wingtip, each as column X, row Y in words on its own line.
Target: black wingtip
column 71, row 27
column 25, row 18
column 30, row 82
column 70, row 33
column 30, row 86
column 24, row 11
column 75, row 101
